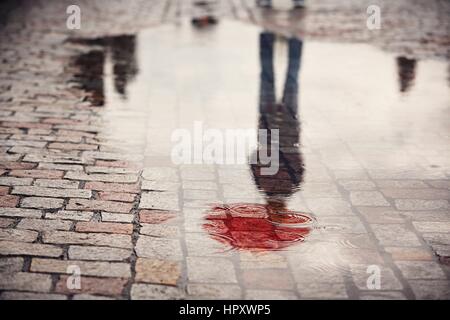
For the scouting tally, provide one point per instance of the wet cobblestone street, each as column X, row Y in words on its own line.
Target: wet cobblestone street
column 88, row 181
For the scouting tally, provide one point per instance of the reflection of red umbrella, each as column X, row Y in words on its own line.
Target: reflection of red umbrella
column 257, row 227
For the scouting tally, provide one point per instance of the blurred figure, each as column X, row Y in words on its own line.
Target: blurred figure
column 406, row 73
column 284, row 117
column 268, row 3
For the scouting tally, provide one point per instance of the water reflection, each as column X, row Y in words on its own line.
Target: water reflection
column 272, row 226
column 89, row 67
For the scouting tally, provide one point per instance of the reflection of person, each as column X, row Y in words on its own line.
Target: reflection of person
column 268, row 3
column 282, row 116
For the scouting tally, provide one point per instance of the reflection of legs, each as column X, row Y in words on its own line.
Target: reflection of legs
column 267, row 84
column 290, row 95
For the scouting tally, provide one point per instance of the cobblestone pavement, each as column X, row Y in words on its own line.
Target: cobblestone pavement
column 86, row 179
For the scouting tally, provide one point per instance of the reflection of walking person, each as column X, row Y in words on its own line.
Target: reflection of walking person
column 268, row 3
column 283, row 117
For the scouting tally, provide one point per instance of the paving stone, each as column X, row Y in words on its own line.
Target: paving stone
column 270, row 295
column 388, row 280
column 329, row 207
column 432, row 226
column 409, row 254
column 17, row 235
column 70, row 215
column 117, row 217
column 35, row 173
column 420, row 270
column 249, row 260
column 44, row 224
column 115, row 196
column 104, row 227
column 160, row 174
column 320, row 290
column 431, row 289
column 112, row 187
column 4, row 190
column 116, row 178
column 82, row 296
column 382, row 295
column 413, row 204
column 41, row 203
column 159, row 200
column 57, row 183
column 17, row 295
column 160, row 186
column 368, row 198
column 51, row 192
column 9, row 265
column 439, row 183
column 87, row 268
column 6, row 222
column 155, row 216
column 379, row 215
column 110, row 169
column 95, row 239
column 210, row 195
column 102, row 205
column 9, row 201
column 9, row 248
column 13, row 181
column 98, row 253
column 25, row 281
column 430, row 194
column 267, row 279
column 401, row 184
column 155, row 292
column 72, row 146
column 20, row 213
column 62, row 167
column 214, row 291
column 357, row 185
column 199, row 185
column 157, row 230
column 395, row 235
column 157, row 271
column 207, row 270
column 91, row 285
column 12, row 165
column 150, row 247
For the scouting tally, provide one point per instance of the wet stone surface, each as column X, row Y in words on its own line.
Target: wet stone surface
column 87, row 177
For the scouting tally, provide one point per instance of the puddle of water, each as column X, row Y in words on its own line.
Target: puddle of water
column 341, row 110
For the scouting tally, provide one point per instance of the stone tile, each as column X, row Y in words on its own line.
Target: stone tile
column 9, row 201
column 160, row 186
column 156, row 216
column 382, row 295
column 116, row 178
column 164, row 249
column 101, row 205
column 432, row 226
column 420, row 270
column 70, row 215
column 104, row 227
column 95, row 239
column 207, row 270
column 4, row 190
column 44, row 224
column 155, row 292
column 159, row 201
column 428, row 194
column 157, row 271
column 17, row 235
column 210, row 195
column 9, row 265
column 87, row 268
column 409, row 254
column 214, row 291
column 158, row 230
column 115, row 196
column 41, row 203
column 109, row 169
column 20, row 213
column 112, row 187
column 249, row 260
column 51, row 192
column 395, row 235
column 329, row 207
column 98, row 253
column 431, row 289
column 401, row 184
column 368, row 198
column 24, row 281
column 91, row 285
column 413, row 204
column 381, row 215
column 35, row 173
column 270, row 295
column 12, row 181
column 6, row 222
column 199, row 185
column 160, row 174
column 56, row 183
column 357, row 185
column 17, row 295
column 267, row 279
column 85, row 296
column 9, row 248
column 322, row 290
column 117, row 217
